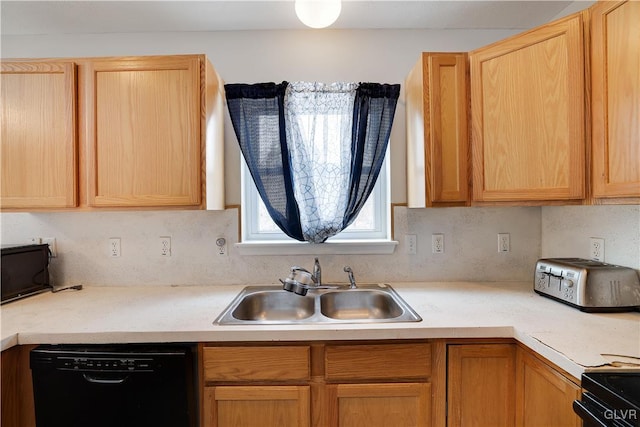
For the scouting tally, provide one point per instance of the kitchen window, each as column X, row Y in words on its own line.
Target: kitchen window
column 314, row 175
column 369, row 233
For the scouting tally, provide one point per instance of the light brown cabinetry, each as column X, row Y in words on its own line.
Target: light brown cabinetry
column 142, row 126
column 481, row 385
column 504, row 384
column 380, row 405
column 527, row 109
column 17, row 388
column 318, row 384
column 39, row 134
column 615, row 99
column 544, row 396
column 378, row 385
column 143, row 131
column 437, row 105
column 256, row 386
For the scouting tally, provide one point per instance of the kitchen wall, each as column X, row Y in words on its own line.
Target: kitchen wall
column 328, row 55
column 566, row 231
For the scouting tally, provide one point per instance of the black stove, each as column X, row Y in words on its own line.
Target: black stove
column 609, row 399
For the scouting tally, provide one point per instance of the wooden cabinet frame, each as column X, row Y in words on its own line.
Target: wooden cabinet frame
column 39, row 135
column 615, row 101
column 317, row 380
column 437, row 94
column 527, row 110
column 118, row 133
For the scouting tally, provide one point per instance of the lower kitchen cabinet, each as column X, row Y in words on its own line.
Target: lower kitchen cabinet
column 504, row 384
column 544, row 396
column 317, row 384
column 17, row 388
column 379, row 405
column 257, row 406
column 481, row 385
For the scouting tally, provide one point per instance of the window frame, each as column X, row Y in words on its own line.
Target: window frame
column 375, row 241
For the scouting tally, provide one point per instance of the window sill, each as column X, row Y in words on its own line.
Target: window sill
column 359, row 247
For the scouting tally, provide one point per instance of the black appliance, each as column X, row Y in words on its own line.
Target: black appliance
column 609, row 399
column 130, row 385
column 25, row 271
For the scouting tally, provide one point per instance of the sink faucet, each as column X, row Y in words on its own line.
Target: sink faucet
column 301, row 280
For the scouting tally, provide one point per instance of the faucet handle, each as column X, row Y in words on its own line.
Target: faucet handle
column 317, row 272
column 296, row 268
column 352, row 280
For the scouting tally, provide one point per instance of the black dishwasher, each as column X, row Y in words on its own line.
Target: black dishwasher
column 114, row 385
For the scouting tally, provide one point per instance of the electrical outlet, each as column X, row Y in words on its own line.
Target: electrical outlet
column 165, row 245
column 503, row 242
column 437, row 243
column 221, row 243
column 35, row 240
column 411, row 242
column 114, row 247
column 596, row 249
column 53, row 248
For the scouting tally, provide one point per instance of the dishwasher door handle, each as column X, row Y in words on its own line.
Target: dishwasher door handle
column 95, row 380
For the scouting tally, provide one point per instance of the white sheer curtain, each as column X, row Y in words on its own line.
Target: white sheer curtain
column 319, row 133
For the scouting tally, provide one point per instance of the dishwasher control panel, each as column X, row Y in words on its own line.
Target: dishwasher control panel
column 105, row 364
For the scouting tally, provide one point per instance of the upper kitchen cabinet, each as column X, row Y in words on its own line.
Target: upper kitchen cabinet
column 527, row 109
column 145, row 131
column 615, row 84
column 436, row 92
column 39, row 135
column 149, row 134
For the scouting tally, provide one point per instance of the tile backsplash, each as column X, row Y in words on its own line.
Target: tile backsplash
column 470, row 245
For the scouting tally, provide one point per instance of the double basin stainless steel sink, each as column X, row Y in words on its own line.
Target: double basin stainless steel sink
column 269, row 305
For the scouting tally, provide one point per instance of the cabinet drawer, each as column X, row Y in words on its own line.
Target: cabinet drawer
column 377, row 362
column 275, row 363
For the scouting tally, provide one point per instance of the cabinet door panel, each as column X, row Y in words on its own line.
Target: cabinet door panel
column 379, row 405
column 481, row 385
column 437, row 131
column 143, row 132
column 545, row 397
column 449, row 149
column 615, row 60
column 527, row 109
column 39, row 144
column 256, row 406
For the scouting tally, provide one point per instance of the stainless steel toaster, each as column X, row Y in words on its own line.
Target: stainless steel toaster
column 588, row 285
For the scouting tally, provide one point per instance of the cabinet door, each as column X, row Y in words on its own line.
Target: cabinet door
column 544, row 396
column 437, row 131
column 379, row 405
column 527, row 108
column 615, row 80
column 481, row 385
column 256, row 406
column 143, row 131
column 17, row 388
column 38, row 122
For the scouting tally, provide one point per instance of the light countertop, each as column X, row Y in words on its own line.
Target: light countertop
column 573, row 340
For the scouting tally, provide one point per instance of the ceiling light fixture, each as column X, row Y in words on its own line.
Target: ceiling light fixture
column 318, row 13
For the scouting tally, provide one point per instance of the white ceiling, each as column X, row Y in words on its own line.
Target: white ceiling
column 68, row 17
